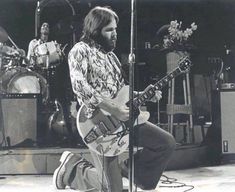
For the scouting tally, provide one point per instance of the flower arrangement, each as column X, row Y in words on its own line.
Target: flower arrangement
column 177, row 37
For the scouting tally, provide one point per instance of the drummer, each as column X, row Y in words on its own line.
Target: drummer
column 44, row 36
column 41, row 52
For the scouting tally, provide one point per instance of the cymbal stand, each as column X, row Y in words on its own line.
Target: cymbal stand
column 43, row 3
column 47, row 57
column 37, row 18
column 47, row 64
column 0, row 65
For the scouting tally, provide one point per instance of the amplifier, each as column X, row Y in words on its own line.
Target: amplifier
column 19, row 113
column 20, row 96
column 228, row 86
column 227, row 121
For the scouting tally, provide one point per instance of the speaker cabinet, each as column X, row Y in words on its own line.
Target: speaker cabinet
column 19, row 118
column 227, row 102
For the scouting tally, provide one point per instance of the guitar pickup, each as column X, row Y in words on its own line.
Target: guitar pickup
column 103, row 128
column 96, row 131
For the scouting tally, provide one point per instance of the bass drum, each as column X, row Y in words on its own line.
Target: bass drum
column 25, row 81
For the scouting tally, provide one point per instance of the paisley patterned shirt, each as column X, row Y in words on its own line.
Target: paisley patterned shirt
column 94, row 75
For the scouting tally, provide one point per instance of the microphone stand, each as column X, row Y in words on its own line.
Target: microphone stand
column 131, row 60
column 37, row 19
column 73, row 15
column 47, row 61
column 41, row 5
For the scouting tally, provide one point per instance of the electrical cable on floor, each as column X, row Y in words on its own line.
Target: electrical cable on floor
column 173, row 183
column 8, row 152
column 103, row 171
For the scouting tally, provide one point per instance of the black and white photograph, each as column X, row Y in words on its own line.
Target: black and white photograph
column 117, row 95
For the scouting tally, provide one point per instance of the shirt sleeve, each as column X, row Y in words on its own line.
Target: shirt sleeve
column 78, row 60
column 30, row 48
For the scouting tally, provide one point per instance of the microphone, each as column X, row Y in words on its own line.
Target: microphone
column 37, row 18
column 38, row 13
column 38, row 6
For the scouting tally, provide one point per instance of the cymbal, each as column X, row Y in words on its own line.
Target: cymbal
column 3, row 35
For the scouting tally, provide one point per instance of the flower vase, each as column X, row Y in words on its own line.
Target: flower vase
column 173, row 58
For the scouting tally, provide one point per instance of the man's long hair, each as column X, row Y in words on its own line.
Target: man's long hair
column 95, row 20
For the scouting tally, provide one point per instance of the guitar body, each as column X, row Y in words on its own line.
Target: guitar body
column 112, row 143
column 104, row 133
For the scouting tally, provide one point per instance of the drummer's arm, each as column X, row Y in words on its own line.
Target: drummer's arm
column 29, row 50
column 31, row 47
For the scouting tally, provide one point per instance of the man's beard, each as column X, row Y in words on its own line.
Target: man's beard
column 107, row 44
column 45, row 33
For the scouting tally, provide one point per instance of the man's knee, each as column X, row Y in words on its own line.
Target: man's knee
column 171, row 143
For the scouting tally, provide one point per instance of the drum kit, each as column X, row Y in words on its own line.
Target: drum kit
column 18, row 75
column 21, row 76
column 48, row 55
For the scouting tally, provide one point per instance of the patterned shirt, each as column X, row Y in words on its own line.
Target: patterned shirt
column 94, row 75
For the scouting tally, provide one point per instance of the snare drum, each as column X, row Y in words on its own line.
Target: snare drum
column 23, row 80
column 48, row 55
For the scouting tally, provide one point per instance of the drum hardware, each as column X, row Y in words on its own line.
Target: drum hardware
column 8, row 51
column 10, row 55
column 4, row 37
column 62, row 127
column 9, row 61
column 48, row 55
column 63, row 49
column 56, row 121
column 13, row 42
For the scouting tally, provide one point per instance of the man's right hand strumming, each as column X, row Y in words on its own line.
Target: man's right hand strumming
column 120, row 112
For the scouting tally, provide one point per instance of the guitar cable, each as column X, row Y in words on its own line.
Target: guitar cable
column 120, row 134
column 103, row 171
column 169, row 182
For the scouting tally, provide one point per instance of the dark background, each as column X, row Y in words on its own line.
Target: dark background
column 215, row 20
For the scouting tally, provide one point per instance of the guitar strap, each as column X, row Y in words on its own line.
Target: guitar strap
column 123, row 73
column 116, row 61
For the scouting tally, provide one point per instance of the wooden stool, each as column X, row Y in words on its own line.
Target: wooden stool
column 173, row 108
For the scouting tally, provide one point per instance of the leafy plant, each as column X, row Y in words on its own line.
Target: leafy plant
column 177, row 37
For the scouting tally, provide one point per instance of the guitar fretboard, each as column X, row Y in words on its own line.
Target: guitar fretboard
column 150, row 90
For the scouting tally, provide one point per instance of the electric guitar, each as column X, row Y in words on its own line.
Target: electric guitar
column 108, row 136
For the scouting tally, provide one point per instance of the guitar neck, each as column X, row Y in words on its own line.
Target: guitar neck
column 149, row 92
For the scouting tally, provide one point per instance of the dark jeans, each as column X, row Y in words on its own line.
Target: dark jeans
column 106, row 175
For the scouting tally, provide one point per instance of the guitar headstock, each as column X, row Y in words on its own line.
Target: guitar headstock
column 184, row 64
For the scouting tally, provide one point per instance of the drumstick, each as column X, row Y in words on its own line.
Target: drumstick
column 20, row 51
column 13, row 42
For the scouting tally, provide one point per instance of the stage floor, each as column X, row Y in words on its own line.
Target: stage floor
column 204, row 179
